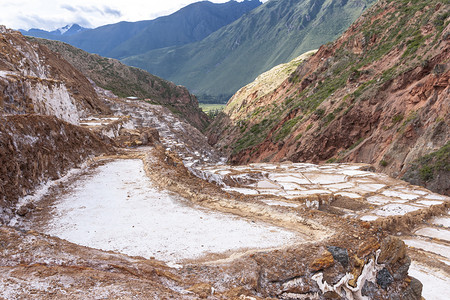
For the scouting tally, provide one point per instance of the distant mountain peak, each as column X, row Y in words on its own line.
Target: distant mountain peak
column 64, row 29
column 69, row 29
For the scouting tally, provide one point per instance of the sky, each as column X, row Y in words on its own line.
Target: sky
column 53, row 14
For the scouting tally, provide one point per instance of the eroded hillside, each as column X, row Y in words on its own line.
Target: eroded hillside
column 125, row 81
column 35, row 80
column 379, row 94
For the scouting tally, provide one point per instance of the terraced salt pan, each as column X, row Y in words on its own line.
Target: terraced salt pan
column 323, row 178
column 388, row 197
column 279, row 203
column 442, row 221
column 395, row 210
column 117, row 208
column 289, row 186
column 401, row 195
column 429, row 246
column 91, row 123
column 292, row 178
column 265, row 184
column 312, row 192
column 438, row 233
column 370, row 187
column 369, row 218
column 381, row 200
column 349, row 195
column 339, row 186
column 429, row 202
column 242, row 191
column 436, row 285
column 435, row 197
column 355, row 173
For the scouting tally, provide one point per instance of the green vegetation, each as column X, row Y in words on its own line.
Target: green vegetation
column 253, row 136
column 211, row 107
column 439, row 22
column 414, row 44
column 212, row 110
column 399, row 32
column 426, row 173
column 362, row 88
column 331, row 116
column 411, row 116
column 286, row 129
column 431, row 164
column 326, row 89
column 397, row 118
column 356, row 144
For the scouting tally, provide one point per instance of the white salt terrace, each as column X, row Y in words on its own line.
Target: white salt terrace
column 96, row 121
column 436, row 285
column 380, row 195
column 296, row 185
column 134, row 218
column 118, row 208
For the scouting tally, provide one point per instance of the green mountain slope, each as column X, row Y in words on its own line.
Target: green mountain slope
column 191, row 23
column 233, row 56
column 126, row 81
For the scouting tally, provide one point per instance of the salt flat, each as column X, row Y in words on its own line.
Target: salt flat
column 118, row 208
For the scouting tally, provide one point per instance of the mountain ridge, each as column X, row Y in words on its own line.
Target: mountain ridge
column 62, row 32
column 234, row 55
column 189, row 24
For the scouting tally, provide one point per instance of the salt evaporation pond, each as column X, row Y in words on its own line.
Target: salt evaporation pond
column 118, row 208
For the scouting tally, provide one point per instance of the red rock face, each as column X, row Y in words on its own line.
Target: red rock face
column 392, row 108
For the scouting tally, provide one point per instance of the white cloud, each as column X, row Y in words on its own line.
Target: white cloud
column 51, row 14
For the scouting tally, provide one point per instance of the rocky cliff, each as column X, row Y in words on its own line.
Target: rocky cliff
column 379, row 94
column 126, row 81
column 35, row 80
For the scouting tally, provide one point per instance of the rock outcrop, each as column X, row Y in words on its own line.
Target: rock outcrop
column 379, row 94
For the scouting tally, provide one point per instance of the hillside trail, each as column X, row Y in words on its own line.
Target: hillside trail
column 177, row 201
